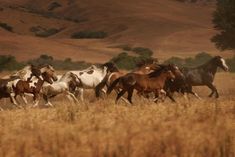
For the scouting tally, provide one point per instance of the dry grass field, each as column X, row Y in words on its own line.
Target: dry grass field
column 190, row 128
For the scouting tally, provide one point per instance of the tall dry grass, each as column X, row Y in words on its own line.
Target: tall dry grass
column 190, row 128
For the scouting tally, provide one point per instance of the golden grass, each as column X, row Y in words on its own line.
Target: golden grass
column 191, row 128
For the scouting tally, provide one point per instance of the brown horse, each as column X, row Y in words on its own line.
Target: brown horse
column 143, row 83
column 34, row 86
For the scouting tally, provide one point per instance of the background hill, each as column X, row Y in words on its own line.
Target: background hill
column 30, row 28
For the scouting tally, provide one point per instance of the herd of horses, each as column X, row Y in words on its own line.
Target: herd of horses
column 149, row 79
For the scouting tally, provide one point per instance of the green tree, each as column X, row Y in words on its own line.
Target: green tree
column 224, row 22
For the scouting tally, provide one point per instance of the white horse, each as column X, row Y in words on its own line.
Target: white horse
column 65, row 85
column 92, row 77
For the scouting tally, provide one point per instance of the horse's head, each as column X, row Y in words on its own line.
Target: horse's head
column 48, row 74
column 76, row 81
column 220, row 62
column 71, row 77
column 169, row 74
column 35, row 71
column 111, row 67
column 175, row 70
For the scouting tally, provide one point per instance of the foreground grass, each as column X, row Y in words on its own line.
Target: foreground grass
column 101, row 129
column 190, row 128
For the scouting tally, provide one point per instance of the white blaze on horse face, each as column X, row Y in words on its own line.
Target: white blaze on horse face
column 224, row 64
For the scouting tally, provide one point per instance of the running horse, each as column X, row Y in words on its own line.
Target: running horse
column 143, row 67
column 65, row 85
column 204, row 75
column 21, row 87
column 25, row 74
column 143, row 83
column 93, row 78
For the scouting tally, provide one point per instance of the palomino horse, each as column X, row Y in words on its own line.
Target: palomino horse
column 92, row 77
column 204, row 75
column 33, row 87
column 65, row 85
column 143, row 83
column 6, row 83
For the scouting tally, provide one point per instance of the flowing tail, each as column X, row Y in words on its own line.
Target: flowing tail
column 113, row 85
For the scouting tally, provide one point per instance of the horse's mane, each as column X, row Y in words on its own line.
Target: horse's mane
column 145, row 62
column 22, row 71
column 157, row 72
column 111, row 66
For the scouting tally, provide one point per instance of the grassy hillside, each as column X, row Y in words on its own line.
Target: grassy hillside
column 168, row 27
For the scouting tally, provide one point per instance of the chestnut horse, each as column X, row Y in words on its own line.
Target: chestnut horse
column 34, row 86
column 6, row 83
column 144, row 67
column 143, row 83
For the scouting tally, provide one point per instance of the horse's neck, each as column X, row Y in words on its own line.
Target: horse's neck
column 39, row 83
column 210, row 67
column 162, row 78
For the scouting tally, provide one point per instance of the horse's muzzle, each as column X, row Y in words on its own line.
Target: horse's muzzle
column 55, row 78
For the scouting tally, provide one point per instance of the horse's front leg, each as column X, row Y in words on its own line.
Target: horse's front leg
column 157, row 93
column 170, row 95
column 71, row 95
column 46, row 99
column 79, row 92
column 36, row 99
column 24, row 98
column 213, row 89
column 163, row 95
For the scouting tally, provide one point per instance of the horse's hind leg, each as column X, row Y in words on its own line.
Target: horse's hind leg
column 170, row 95
column 190, row 91
column 123, row 98
column 130, row 93
column 120, row 94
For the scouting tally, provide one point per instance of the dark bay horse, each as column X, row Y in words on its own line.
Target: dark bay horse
column 202, row 75
column 143, row 83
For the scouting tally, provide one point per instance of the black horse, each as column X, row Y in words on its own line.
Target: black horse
column 199, row 76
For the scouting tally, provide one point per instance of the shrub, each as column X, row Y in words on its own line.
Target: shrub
column 89, row 35
column 199, row 59
column 145, row 52
column 43, row 32
column 8, row 62
column 53, row 6
column 66, row 64
column 128, row 62
column 175, row 60
column 6, row 27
